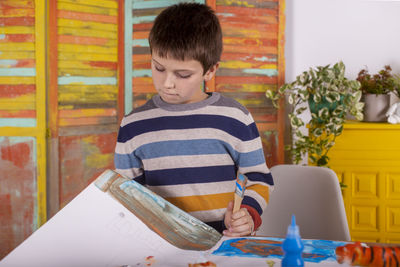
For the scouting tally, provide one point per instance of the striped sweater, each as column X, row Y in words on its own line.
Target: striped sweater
column 190, row 154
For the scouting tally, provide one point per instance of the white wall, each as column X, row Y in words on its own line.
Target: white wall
column 358, row 32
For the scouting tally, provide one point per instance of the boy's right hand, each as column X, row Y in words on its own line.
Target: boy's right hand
column 239, row 223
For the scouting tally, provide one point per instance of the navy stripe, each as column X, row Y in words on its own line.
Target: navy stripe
column 140, row 179
column 217, row 225
column 252, row 203
column 227, row 124
column 191, row 175
column 260, row 177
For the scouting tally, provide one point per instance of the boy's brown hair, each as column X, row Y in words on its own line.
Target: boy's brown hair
column 187, row 31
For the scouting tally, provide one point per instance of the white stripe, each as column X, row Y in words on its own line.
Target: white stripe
column 230, row 112
column 209, row 215
column 187, row 161
column 262, row 168
column 188, row 134
column 184, row 190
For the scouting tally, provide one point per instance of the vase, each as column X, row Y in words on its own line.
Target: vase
column 375, row 107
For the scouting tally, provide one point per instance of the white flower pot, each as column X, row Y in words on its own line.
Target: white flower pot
column 375, row 107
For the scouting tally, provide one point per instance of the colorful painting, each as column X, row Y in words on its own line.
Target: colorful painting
column 314, row 250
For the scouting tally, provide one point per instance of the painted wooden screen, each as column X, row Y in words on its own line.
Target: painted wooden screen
column 22, row 121
column 83, row 95
column 252, row 60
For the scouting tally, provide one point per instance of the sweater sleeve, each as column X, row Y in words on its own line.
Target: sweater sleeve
column 251, row 163
column 125, row 160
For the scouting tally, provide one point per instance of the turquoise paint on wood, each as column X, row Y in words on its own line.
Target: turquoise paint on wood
column 141, row 43
column 141, row 73
column 7, row 63
column 143, row 19
column 265, row 72
column 87, row 80
column 21, row 72
column 17, row 122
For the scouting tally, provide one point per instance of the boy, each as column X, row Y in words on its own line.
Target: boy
column 188, row 145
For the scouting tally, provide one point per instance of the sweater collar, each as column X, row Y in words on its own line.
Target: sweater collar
column 213, row 97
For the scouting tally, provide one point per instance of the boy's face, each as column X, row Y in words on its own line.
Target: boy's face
column 179, row 82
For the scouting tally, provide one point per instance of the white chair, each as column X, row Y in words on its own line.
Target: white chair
column 311, row 193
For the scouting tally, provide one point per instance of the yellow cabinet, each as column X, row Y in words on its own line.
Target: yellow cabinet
column 366, row 158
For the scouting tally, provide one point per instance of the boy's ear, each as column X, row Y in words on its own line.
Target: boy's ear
column 211, row 72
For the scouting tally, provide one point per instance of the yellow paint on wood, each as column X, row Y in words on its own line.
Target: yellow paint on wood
column 73, row 23
column 234, row 2
column 18, row 131
column 17, row 46
column 16, row 30
column 87, row 9
column 88, row 112
column 40, row 35
column 7, row 105
column 75, row 48
column 87, row 97
column 237, row 64
column 23, row 12
column 17, row 55
column 74, row 89
column 87, row 72
column 253, row 88
column 88, row 57
column 97, row 3
column 16, row 80
column 22, row 98
column 18, row 3
column 87, row 33
column 98, row 160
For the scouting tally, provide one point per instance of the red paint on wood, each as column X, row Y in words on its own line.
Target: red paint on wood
column 6, row 232
column 247, row 11
column 17, row 38
column 17, row 113
column 102, row 64
column 19, row 154
column 87, row 16
column 7, row 90
column 17, row 21
column 69, row 39
column 142, row 27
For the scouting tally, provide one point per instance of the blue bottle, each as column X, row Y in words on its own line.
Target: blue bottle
column 292, row 246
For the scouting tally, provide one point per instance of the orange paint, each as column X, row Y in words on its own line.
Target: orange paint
column 16, row 90
column 102, row 64
column 69, row 39
column 19, row 154
column 246, row 80
column 247, row 11
column 87, row 16
column 17, row 38
column 17, row 113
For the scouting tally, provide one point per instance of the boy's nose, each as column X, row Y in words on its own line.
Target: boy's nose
column 169, row 81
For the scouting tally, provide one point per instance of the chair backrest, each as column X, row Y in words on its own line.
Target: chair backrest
column 311, row 193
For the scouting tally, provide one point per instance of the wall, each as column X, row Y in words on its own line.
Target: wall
column 359, row 32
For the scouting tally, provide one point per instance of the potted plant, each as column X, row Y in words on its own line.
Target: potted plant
column 329, row 96
column 376, row 91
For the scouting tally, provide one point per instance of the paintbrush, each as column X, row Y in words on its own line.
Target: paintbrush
column 241, row 181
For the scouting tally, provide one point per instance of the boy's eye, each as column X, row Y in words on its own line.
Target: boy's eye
column 159, row 69
column 183, row 76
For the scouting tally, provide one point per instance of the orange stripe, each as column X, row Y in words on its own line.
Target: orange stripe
column 141, row 65
column 253, row 48
column 17, row 12
column 205, row 202
column 246, row 57
column 17, row 21
column 249, row 80
column 142, row 81
column 16, row 90
column 17, row 38
column 252, row 26
column 141, row 57
column 17, row 113
column 142, row 27
column 143, row 88
column 69, row 39
column 140, row 35
column 86, row 16
column 262, row 190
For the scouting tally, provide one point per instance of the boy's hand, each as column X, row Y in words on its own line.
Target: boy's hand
column 239, row 223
